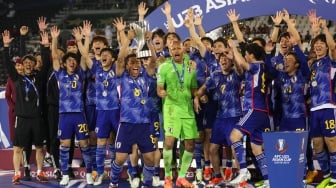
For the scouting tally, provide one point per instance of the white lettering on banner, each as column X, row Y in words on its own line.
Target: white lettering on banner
column 197, row 10
column 82, row 174
column 302, row 158
column 281, row 159
column 327, row 1
column 178, row 20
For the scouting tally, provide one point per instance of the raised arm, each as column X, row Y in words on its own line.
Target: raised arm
column 329, row 38
column 233, row 17
column 7, row 40
column 313, row 19
column 121, row 25
column 240, row 61
column 189, row 23
column 167, row 12
column 79, row 33
column 54, row 31
column 291, row 28
column 198, row 23
column 276, row 20
column 23, row 36
column 42, row 23
column 142, row 10
column 151, row 69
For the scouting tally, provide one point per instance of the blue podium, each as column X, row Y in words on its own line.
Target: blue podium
column 286, row 157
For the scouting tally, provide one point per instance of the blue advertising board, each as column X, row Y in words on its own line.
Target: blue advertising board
column 214, row 11
column 285, row 157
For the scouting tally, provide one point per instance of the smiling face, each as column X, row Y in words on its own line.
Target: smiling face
column 225, row 63
column 106, row 59
column 285, row 45
column 97, row 46
column 133, row 66
column 28, row 64
column 70, row 64
column 19, row 68
column 291, row 64
column 158, row 43
column 320, row 48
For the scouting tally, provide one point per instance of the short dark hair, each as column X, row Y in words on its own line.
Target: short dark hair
column 158, row 32
column 70, row 54
column 260, row 39
column 320, row 37
column 99, row 38
column 222, row 40
column 109, row 50
column 170, row 33
column 256, row 50
column 284, row 35
column 207, row 39
column 128, row 57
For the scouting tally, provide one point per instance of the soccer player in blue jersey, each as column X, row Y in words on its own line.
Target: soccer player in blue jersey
column 226, row 84
column 97, row 44
column 106, row 97
column 323, row 103
column 134, row 113
column 254, row 109
column 71, row 108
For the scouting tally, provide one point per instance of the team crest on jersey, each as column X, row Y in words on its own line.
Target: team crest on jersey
column 229, row 78
column 76, row 77
column 294, row 79
column 111, row 74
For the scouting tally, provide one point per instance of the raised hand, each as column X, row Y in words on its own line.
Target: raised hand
column 142, row 9
column 312, row 15
column 54, row 31
column 167, row 8
column 86, row 30
column 76, row 32
column 231, row 14
column 285, row 16
column 44, row 38
column 198, row 20
column 41, row 22
column 119, row 24
column 188, row 21
column 6, row 38
column 278, row 18
column 24, row 30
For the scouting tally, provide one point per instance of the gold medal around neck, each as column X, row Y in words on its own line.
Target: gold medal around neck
column 136, row 92
column 143, row 101
column 105, row 83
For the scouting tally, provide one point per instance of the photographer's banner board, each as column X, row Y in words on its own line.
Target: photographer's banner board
column 4, row 125
column 286, row 157
column 214, row 11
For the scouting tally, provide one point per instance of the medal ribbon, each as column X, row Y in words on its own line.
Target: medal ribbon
column 30, row 83
column 180, row 77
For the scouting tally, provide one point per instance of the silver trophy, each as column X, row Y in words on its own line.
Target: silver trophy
column 140, row 28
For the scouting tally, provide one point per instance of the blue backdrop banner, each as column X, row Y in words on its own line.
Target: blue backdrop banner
column 214, row 11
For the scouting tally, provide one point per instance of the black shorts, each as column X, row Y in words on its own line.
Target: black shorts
column 28, row 131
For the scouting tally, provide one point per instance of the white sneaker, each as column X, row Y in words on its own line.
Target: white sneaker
column 241, row 178
column 89, row 179
column 156, row 181
column 135, row 182
column 65, row 180
column 99, row 179
column 199, row 175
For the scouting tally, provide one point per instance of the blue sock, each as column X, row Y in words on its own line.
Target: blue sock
column 64, row 157
column 115, row 172
column 147, row 172
column 111, row 148
column 198, row 155
column 100, row 158
column 157, row 171
column 323, row 160
column 239, row 149
column 262, row 165
column 87, row 158
column 207, row 163
column 93, row 157
column 333, row 164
